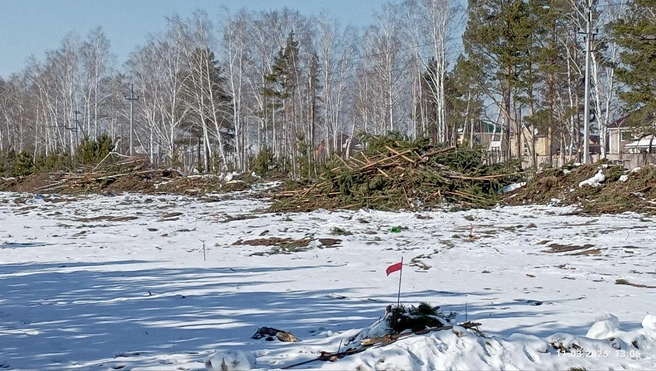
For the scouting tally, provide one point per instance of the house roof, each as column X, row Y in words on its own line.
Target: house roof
column 483, row 127
column 619, row 123
column 623, row 122
column 643, row 143
column 595, row 139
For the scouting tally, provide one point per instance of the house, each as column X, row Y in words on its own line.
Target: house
column 621, row 134
column 645, row 144
column 485, row 134
column 626, row 146
column 595, row 144
column 536, row 141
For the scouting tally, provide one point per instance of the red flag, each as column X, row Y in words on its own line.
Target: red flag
column 394, row 267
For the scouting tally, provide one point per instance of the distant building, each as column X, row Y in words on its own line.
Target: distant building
column 645, row 144
column 485, row 134
column 621, row 134
column 534, row 141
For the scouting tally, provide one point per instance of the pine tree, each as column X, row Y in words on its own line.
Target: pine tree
column 636, row 34
column 546, row 66
column 282, row 84
column 497, row 40
column 464, row 97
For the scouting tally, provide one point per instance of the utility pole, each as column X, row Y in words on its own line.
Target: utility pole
column 586, row 105
column 77, row 127
column 131, row 98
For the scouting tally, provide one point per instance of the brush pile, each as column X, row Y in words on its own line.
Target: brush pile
column 600, row 188
column 393, row 173
column 117, row 174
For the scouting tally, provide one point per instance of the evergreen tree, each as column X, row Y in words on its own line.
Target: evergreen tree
column 282, row 84
column 314, row 87
column 91, row 152
column 636, row 34
column 465, row 99
column 543, row 81
column 497, row 40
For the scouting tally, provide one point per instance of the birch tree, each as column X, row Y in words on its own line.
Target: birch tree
column 96, row 61
column 604, row 61
column 235, row 47
column 337, row 52
column 430, row 25
column 384, row 58
column 205, row 94
column 156, row 70
column 17, row 128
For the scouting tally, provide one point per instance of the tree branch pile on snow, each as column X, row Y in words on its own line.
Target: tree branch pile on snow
column 400, row 321
column 395, row 173
column 128, row 176
column 597, row 188
column 269, row 332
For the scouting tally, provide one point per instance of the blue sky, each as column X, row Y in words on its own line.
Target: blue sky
column 30, row 27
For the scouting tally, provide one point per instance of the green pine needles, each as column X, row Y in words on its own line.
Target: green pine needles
column 417, row 318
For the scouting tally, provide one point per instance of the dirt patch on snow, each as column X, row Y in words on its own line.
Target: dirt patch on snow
column 107, row 218
column 555, row 248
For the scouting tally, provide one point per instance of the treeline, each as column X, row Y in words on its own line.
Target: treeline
column 88, row 153
column 216, row 91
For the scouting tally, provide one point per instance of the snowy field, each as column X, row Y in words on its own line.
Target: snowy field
column 123, row 283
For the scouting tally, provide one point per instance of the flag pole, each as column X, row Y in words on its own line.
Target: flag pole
column 398, row 298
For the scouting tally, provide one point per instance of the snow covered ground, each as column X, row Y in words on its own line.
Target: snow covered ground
column 123, row 283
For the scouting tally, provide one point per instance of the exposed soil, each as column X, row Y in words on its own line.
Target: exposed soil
column 622, row 190
column 558, row 248
column 142, row 181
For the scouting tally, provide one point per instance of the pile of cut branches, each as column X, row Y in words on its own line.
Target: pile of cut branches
column 98, row 182
column 117, row 173
column 398, row 323
column 114, row 173
column 620, row 190
column 394, row 173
